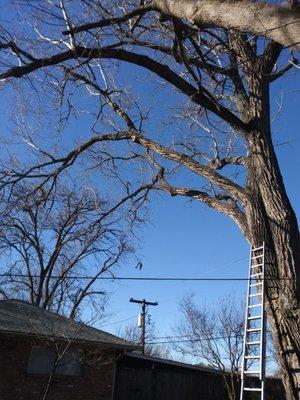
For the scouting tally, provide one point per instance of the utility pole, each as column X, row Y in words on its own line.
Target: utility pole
column 144, row 304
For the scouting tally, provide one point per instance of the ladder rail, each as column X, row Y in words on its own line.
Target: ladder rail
column 245, row 327
column 263, row 327
column 256, row 281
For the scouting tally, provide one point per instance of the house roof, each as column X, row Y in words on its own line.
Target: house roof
column 172, row 363
column 19, row 317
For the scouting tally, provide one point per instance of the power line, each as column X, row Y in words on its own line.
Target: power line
column 192, row 340
column 134, row 317
column 196, row 340
column 170, row 341
column 117, row 322
column 131, row 278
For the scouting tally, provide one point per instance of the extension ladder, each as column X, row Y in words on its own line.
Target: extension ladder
column 254, row 347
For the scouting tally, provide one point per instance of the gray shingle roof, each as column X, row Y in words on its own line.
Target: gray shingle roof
column 19, row 317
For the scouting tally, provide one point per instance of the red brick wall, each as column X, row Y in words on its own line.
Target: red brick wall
column 96, row 382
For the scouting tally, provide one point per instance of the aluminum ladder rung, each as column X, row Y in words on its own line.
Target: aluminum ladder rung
column 253, row 389
column 252, row 357
column 255, row 305
column 255, row 294
column 254, row 317
column 258, row 248
column 254, row 330
column 255, row 275
column 254, row 257
column 252, row 343
column 252, row 372
column 256, row 284
column 256, row 265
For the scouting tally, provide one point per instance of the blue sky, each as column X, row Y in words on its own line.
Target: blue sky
column 188, row 239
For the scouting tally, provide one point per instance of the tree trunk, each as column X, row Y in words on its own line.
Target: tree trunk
column 271, row 219
column 283, row 315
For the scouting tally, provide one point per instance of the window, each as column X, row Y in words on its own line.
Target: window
column 42, row 362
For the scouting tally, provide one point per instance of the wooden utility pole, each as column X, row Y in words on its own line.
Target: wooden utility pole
column 144, row 304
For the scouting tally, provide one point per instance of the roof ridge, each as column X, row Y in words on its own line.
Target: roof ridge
column 24, row 318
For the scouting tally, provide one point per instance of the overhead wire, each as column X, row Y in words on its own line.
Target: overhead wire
column 170, row 341
column 117, row 322
column 148, row 278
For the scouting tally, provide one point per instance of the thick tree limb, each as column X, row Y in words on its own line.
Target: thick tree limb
column 202, row 170
column 229, row 208
column 260, row 19
column 206, row 171
column 270, row 57
column 277, row 23
column 198, row 95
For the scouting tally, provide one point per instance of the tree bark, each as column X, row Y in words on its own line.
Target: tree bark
column 282, row 314
column 277, row 23
column 271, row 219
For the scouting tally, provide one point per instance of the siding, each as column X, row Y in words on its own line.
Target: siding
column 138, row 380
column 146, row 379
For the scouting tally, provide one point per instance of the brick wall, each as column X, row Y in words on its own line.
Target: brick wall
column 96, row 382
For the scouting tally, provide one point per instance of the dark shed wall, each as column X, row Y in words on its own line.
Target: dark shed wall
column 96, row 382
column 136, row 380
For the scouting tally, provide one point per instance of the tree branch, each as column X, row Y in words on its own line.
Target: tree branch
column 293, row 63
column 197, row 95
column 217, row 163
column 227, row 207
column 260, row 19
column 202, row 170
column 139, row 11
column 270, row 57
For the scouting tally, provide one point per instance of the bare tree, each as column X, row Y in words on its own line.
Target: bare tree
column 213, row 336
column 60, row 352
column 132, row 333
column 217, row 129
column 54, row 249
